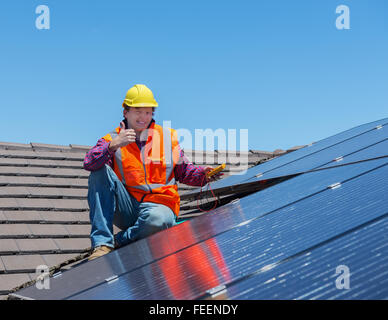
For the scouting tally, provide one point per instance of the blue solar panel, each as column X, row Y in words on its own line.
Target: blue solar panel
column 316, row 155
column 379, row 149
column 316, row 273
column 328, row 155
column 256, row 244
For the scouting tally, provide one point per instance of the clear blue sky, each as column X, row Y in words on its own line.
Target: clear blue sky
column 280, row 69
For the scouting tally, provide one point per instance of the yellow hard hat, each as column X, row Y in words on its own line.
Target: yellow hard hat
column 139, row 96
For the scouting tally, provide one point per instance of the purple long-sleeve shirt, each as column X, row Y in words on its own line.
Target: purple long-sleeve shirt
column 185, row 172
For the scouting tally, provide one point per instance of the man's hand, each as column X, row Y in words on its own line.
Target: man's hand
column 215, row 177
column 125, row 137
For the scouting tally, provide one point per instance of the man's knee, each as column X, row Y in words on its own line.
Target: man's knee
column 161, row 218
column 100, row 175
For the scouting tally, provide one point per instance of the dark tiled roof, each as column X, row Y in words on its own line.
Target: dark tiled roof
column 44, row 214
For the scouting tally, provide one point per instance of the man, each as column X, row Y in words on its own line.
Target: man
column 133, row 177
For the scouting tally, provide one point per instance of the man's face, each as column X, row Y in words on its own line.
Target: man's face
column 138, row 118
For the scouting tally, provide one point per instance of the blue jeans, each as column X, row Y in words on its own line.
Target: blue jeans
column 110, row 203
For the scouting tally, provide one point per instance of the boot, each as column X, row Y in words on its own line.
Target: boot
column 100, row 251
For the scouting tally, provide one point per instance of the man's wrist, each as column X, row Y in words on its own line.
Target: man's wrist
column 112, row 147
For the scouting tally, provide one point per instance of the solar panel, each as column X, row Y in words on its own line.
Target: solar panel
column 357, row 149
column 256, row 244
column 377, row 150
column 373, row 151
column 315, row 274
column 328, row 155
column 307, row 158
column 147, row 251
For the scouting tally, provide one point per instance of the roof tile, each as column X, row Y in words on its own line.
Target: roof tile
column 13, row 191
column 10, row 230
column 40, row 163
column 71, row 204
column 255, row 158
column 74, row 244
column 43, row 172
column 61, row 155
column 2, row 267
column 10, row 170
column 78, row 230
column 11, row 281
column 77, row 147
column 69, row 163
column 235, row 157
column 13, row 162
column 262, row 153
column 49, row 147
column 68, row 172
column 22, row 216
column 48, row 230
column 55, row 192
column 279, row 152
column 28, row 154
column 14, row 146
column 38, row 245
column 62, row 182
column 3, row 218
column 52, row 260
column 7, row 203
column 201, row 157
column 65, row 216
column 26, row 203
column 44, row 204
column 57, row 182
column 15, row 180
column 22, row 263
column 8, row 246
column 43, row 163
column 296, row 148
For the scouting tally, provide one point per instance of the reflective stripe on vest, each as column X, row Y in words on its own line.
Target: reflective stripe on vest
column 118, row 156
column 167, row 142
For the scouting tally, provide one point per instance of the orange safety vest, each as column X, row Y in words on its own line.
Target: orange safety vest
column 148, row 174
